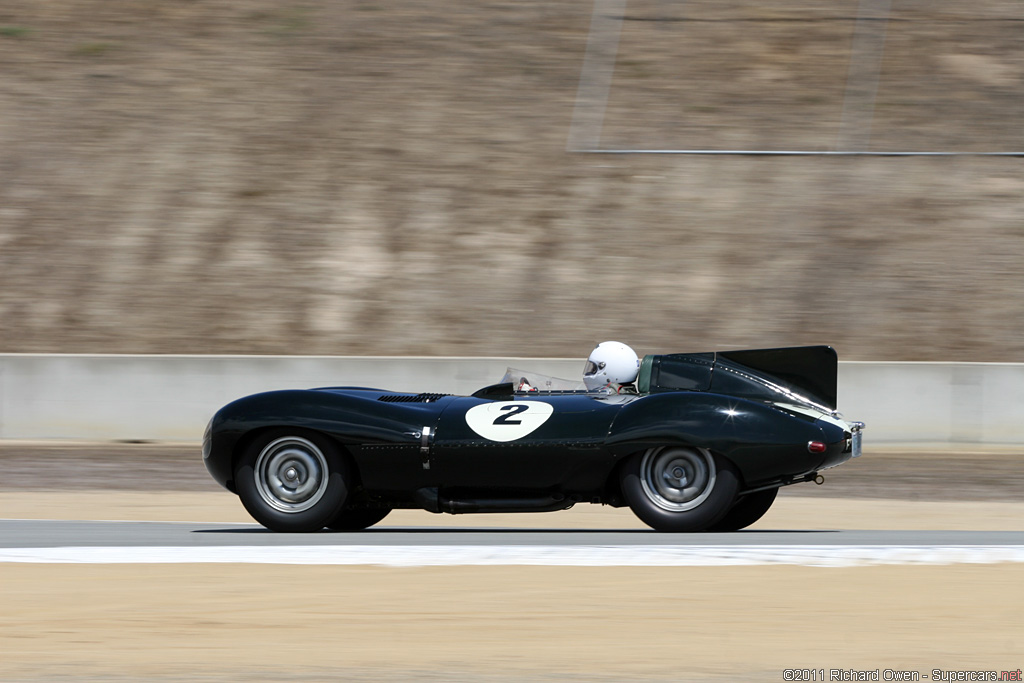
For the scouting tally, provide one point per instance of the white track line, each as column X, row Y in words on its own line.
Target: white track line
column 571, row 556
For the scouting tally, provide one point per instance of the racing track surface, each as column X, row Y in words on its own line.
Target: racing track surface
column 56, row 533
column 171, row 542
column 155, row 470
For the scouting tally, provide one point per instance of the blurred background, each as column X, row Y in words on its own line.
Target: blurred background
column 363, row 177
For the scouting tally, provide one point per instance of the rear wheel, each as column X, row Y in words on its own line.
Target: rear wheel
column 292, row 480
column 355, row 520
column 679, row 488
column 747, row 510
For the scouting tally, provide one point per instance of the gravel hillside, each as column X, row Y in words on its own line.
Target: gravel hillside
column 364, row 177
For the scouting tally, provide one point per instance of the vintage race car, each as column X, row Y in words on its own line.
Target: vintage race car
column 702, row 443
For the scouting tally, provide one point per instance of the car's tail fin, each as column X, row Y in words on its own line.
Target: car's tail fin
column 810, row 371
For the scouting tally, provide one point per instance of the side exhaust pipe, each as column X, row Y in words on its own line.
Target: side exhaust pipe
column 432, row 500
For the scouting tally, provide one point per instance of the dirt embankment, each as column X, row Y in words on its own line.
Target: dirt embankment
column 365, row 177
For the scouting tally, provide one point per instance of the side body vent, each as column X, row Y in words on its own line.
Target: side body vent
column 411, row 398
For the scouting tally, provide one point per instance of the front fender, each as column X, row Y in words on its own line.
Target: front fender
column 348, row 419
column 764, row 442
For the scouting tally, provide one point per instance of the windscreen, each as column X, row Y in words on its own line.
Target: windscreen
column 527, row 381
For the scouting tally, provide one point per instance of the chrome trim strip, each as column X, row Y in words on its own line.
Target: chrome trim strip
column 425, row 447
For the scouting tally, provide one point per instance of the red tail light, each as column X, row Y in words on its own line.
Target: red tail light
column 816, row 447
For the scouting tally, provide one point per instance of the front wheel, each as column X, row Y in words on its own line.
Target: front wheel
column 679, row 488
column 292, row 480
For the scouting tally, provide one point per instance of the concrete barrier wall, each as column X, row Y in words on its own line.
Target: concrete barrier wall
column 980, row 403
column 170, row 398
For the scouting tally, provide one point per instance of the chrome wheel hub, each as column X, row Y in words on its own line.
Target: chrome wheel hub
column 677, row 479
column 291, row 474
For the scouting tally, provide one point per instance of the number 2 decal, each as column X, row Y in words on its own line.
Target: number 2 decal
column 505, row 421
column 512, row 410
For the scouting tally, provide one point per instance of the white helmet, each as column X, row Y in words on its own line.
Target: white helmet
column 611, row 362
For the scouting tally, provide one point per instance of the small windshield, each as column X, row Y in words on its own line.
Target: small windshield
column 525, row 380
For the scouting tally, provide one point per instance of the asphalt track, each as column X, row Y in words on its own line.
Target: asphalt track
column 57, row 533
column 91, row 542
column 136, row 469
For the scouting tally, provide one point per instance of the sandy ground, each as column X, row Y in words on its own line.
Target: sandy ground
column 266, row 622
column 503, row 624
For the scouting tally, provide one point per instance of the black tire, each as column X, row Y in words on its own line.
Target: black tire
column 746, row 510
column 356, row 520
column 292, row 480
column 679, row 488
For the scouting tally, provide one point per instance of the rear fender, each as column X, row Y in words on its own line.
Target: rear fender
column 762, row 441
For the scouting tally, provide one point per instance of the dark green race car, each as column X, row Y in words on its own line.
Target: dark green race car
column 701, row 443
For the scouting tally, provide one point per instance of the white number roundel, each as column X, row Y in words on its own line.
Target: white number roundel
column 507, row 420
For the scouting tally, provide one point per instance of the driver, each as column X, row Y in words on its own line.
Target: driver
column 612, row 367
